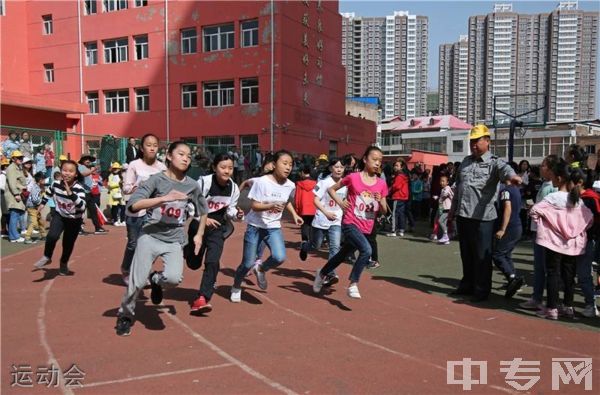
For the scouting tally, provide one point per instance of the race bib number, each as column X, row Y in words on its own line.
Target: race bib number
column 216, row 203
column 366, row 207
column 172, row 213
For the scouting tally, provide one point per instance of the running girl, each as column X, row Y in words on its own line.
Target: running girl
column 169, row 197
column 329, row 214
column 365, row 199
column 69, row 198
column 138, row 171
column 222, row 196
column 269, row 196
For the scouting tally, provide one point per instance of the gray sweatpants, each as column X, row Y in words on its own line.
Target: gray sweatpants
column 443, row 222
column 147, row 250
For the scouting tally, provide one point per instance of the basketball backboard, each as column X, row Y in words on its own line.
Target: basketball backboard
column 528, row 108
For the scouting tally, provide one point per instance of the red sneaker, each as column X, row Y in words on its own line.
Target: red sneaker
column 201, row 305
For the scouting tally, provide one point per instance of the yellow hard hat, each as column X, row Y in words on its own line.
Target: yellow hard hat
column 323, row 157
column 16, row 154
column 5, row 162
column 115, row 165
column 479, row 131
column 63, row 157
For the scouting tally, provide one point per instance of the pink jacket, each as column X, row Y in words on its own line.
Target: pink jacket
column 561, row 229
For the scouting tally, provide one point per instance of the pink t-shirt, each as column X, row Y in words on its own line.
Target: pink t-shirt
column 363, row 206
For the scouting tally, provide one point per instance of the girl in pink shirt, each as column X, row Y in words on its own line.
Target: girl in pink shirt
column 366, row 197
column 562, row 220
column 138, row 171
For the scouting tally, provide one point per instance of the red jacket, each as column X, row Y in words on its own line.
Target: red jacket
column 304, row 198
column 399, row 190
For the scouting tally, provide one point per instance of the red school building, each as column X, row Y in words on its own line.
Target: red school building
column 195, row 70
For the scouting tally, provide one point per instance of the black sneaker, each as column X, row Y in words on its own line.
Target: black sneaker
column 304, row 251
column 100, row 231
column 514, row 284
column 330, row 280
column 123, row 327
column 64, row 270
column 156, row 295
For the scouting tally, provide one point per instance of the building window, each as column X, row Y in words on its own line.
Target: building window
column 48, row 27
column 141, row 3
column 142, row 99
column 141, row 47
column 189, row 96
column 217, row 38
column 114, row 5
column 457, row 146
column 218, row 94
column 250, row 91
column 92, row 101
column 2, row 7
column 115, row 51
column 49, row 72
column 250, row 33
column 90, row 7
column 116, row 101
column 189, row 41
column 91, row 53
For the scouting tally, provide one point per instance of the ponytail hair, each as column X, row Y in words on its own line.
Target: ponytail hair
column 576, row 179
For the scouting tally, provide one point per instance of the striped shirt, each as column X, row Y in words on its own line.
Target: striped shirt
column 67, row 206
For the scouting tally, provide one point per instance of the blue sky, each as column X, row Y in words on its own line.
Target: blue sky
column 448, row 19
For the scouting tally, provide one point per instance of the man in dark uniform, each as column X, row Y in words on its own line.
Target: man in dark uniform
column 473, row 205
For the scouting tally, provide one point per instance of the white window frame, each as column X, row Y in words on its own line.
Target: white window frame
column 90, row 7
column 220, row 96
column 93, row 102
column 189, row 41
column 189, row 95
column 2, row 7
column 248, row 90
column 91, row 52
column 47, row 25
column 218, row 38
column 118, row 99
column 114, row 5
column 49, row 72
column 251, row 33
column 142, row 96
column 144, row 47
column 120, row 46
column 140, row 3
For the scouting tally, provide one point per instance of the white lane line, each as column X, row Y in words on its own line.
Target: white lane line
column 499, row 335
column 229, row 357
column 372, row 344
column 152, row 376
column 44, row 341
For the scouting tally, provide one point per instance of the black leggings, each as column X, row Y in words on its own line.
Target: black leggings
column 117, row 212
column 560, row 267
column 58, row 225
column 306, row 228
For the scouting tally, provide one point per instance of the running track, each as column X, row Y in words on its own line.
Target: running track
column 394, row 340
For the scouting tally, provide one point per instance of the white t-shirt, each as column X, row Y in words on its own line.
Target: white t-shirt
column 265, row 190
column 320, row 191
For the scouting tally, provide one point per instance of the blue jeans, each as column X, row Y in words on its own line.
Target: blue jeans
column 354, row 240
column 503, row 248
column 335, row 238
column 134, row 228
column 14, row 220
column 253, row 237
column 402, row 212
column 584, row 272
column 539, row 272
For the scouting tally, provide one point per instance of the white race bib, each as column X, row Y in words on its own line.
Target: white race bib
column 216, row 203
column 172, row 213
column 366, row 206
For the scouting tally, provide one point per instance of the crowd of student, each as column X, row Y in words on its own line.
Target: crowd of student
column 346, row 201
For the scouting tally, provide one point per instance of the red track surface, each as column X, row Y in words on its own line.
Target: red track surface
column 394, row 340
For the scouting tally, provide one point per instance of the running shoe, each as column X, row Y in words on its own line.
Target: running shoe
column 261, row 278
column 156, row 295
column 123, row 327
column 201, row 305
column 353, row 291
column 236, row 295
column 318, row 282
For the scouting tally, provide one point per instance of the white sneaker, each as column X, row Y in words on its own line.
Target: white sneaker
column 35, row 232
column 318, row 283
column 42, row 262
column 353, row 291
column 19, row 240
column 401, row 233
column 391, row 234
column 590, row 311
column 260, row 277
column 236, row 295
